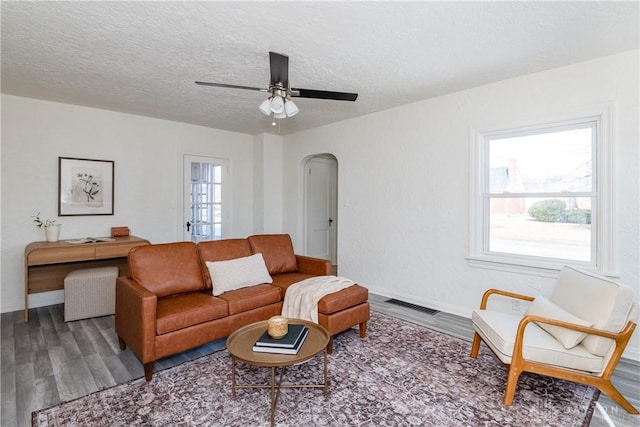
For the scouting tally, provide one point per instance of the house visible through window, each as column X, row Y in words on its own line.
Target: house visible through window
column 537, row 194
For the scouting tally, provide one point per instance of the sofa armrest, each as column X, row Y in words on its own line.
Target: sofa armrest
column 487, row 294
column 135, row 319
column 315, row 266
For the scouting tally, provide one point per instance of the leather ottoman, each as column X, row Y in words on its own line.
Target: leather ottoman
column 341, row 310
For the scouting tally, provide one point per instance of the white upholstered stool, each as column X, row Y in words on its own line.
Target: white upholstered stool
column 90, row 293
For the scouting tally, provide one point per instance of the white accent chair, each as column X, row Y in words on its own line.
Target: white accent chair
column 578, row 334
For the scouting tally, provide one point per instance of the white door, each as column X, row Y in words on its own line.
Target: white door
column 204, row 201
column 321, row 189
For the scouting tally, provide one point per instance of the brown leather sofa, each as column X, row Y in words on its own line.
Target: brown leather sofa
column 166, row 305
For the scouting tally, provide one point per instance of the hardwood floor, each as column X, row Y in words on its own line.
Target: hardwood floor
column 47, row 361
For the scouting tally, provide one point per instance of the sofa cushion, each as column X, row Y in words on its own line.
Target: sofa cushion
column 166, row 269
column 181, row 311
column 567, row 337
column 499, row 329
column 596, row 299
column 221, row 250
column 237, row 273
column 284, row 280
column 348, row 297
column 251, row 297
column 277, row 250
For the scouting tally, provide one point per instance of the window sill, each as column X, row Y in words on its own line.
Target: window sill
column 526, row 266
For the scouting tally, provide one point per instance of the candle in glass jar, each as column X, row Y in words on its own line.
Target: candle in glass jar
column 277, row 326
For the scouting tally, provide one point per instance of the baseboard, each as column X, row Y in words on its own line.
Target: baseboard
column 41, row 299
column 426, row 302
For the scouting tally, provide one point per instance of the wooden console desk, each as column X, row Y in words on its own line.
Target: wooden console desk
column 46, row 264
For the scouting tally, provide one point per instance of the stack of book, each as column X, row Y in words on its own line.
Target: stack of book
column 289, row 344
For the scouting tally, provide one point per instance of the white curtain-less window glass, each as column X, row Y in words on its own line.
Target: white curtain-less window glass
column 540, row 193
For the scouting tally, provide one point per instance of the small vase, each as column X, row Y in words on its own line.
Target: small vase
column 277, row 327
column 52, row 232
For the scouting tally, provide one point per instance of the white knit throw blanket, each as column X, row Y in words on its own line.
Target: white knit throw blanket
column 301, row 299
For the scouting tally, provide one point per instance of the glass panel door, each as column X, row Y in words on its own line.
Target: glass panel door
column 203, row 198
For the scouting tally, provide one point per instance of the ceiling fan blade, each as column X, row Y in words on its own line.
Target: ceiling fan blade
column 325, row 94
column 279, row 69
column 231, row 86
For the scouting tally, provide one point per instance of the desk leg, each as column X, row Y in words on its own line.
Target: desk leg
column 26, row 293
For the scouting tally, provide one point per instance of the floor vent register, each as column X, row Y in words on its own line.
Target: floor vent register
column 416, row 307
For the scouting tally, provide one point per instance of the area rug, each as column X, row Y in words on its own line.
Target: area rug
column 402, row 374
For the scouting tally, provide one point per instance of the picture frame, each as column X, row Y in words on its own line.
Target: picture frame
column 85, row 186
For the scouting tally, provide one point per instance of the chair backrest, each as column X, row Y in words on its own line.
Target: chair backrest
column 603, row 302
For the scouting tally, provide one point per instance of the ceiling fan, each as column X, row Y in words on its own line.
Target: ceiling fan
column 279, row 102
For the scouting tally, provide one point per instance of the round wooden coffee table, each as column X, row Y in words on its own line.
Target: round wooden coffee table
column 240, row 346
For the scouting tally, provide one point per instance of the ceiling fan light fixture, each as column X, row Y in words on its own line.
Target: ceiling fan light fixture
column 277, row 105
column 265, row 107
column 291, row 108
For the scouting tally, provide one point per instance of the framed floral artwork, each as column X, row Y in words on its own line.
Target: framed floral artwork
column 85, row 186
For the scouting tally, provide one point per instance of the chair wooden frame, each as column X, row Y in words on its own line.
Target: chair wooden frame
column 519, row 365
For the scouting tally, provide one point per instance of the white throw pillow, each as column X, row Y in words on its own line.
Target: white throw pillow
column 567, row 337
column 238, row 273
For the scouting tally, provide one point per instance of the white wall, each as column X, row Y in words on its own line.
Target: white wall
column 148, row 161
column 267, row 193
column 404, row 182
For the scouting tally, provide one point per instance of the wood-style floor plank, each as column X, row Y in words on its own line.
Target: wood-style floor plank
column 47, row 361
column 99, row 371
column 42, row 365
column 25, row 396
column 73, row 377
column 7, row 369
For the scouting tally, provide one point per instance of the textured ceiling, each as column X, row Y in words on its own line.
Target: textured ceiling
column 143, row 57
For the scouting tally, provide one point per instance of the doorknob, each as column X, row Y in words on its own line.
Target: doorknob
column 188, row 225
column 330, row 222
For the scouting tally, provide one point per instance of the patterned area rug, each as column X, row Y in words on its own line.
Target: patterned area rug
column 400, row 375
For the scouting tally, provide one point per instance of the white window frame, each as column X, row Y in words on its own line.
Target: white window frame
column 603, row 227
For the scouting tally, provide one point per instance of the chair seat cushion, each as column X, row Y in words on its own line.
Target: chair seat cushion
column 245, row 299
column 184, row 310
column 498, row 330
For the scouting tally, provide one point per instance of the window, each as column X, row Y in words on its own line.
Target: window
column 536, row 201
